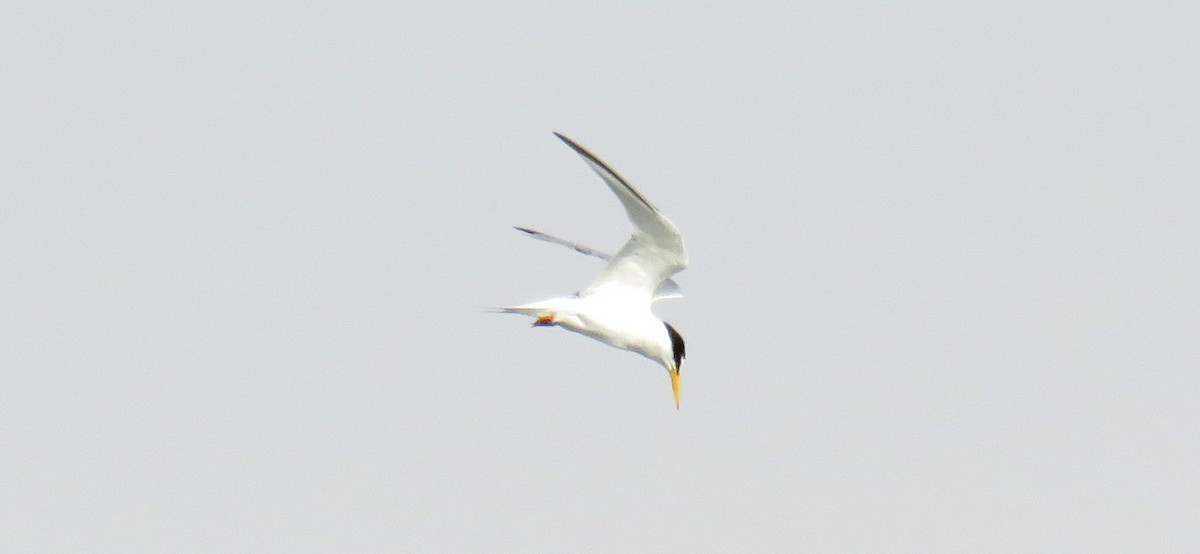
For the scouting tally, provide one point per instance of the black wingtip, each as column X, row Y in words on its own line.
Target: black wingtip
column 524, row 230
column 583, row 151
column 600, row 163
column 574, row 146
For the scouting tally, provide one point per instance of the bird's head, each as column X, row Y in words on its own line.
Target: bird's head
column 674, row 359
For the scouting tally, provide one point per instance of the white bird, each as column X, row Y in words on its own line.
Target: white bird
column 615, row 308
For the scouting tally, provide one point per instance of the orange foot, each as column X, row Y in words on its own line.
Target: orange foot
column 544, row 320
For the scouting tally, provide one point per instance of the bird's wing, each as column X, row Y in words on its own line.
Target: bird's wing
column 564, row 242
column 652, row 254
column 667, row 289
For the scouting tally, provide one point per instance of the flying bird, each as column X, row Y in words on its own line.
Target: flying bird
column 615, row 308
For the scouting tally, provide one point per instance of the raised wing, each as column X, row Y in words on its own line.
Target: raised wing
column 667, row 289
column 652, row 254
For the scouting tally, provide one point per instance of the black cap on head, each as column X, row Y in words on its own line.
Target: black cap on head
column 677, row 349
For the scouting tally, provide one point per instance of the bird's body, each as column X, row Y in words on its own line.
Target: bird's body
column 625, row 325
column 615, row 308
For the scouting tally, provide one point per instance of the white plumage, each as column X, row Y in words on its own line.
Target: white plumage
column 615, row 308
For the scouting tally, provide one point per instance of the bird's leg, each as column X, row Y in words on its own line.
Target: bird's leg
column 544, row 320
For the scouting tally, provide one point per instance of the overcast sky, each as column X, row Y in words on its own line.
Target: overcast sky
column 944, row 292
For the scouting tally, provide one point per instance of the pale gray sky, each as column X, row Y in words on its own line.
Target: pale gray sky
column 944, row 293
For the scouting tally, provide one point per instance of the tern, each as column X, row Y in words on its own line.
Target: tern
column 616, row 308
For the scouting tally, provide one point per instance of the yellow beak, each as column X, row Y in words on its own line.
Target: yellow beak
column 675, row 384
